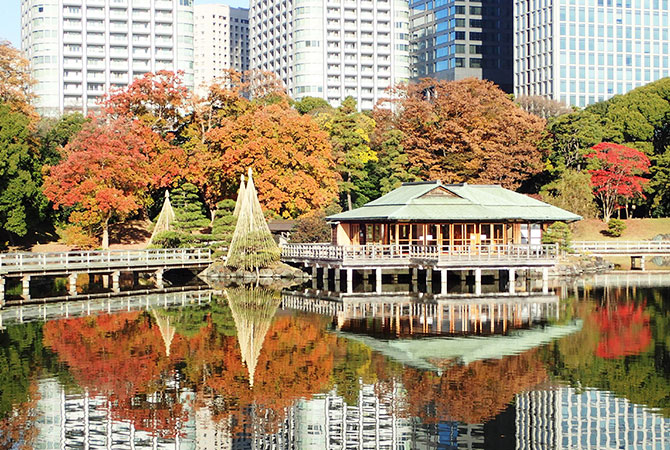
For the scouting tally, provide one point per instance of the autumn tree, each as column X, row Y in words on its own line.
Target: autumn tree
column 103, row 174
column 15, row 80
column 349, row 133
column 467, row 130
column 616, row 175
column 291, row 158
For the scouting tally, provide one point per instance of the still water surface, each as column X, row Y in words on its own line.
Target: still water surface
column 261, row 369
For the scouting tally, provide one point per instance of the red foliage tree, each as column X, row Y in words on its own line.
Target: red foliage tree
column 104, row 172
column 616, row 174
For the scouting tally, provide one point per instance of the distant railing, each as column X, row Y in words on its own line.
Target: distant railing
column 378, row 252
column 622, row 247
column 26, row 262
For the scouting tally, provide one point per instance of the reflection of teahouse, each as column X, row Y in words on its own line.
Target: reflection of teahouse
column 447, row 216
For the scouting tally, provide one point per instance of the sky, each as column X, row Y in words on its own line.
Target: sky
column 10, row 17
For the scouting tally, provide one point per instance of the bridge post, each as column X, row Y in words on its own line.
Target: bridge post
column 429, row 280
column 159, row 278
column 511, row 288
column 378, row 280
column 72, row 284
column 115, row 281
column 443, row 281
column 315, row 276
column 545, row 280
column 2, row 292
column 414, row 280
column 25, row 283
column 478, row 281
column 350, row 281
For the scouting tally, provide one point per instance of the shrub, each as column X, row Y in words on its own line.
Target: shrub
column 558, row 232
column 616, row 227
column 311, row 227
column 76, row 236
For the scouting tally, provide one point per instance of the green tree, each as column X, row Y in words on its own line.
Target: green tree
column 572, row 136
column 22, row 205
column 55, row 133
column 572, row 191
column 558, row 233
column 349, row 132
column 310, row 105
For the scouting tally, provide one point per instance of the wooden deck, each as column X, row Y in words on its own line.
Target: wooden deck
column 20, row 264
column 408, row 256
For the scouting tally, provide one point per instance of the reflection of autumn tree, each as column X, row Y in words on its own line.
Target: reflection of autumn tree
column 622, row 347
column 295, row 361
column 18, row 430
column 474, row 393
column 624, row 330
column 123, row 357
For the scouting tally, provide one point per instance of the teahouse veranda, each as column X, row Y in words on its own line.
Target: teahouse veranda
column 449, row 217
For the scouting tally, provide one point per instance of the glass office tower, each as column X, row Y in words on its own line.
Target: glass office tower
column 584, row 51
column 463, row 38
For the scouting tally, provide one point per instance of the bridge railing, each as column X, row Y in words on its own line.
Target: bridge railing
column 17, row 262
column 378, row 252
column 621, row 247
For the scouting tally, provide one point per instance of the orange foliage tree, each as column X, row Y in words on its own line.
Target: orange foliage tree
column 291, row 158
column 122, row 356
column 472, row 393
column 103, row 173
column 467, row 130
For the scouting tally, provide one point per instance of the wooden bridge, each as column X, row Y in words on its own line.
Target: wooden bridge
column 108, row 262
column 637, row 250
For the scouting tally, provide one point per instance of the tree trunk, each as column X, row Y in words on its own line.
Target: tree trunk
column 105, row 234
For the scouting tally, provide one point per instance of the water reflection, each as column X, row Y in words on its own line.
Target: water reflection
column 251, row 368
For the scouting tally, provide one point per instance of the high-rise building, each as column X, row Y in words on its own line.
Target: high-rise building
column 587, row 51
column 461, row 39
column 332, row 48
column 80, row 49
column 221, row 42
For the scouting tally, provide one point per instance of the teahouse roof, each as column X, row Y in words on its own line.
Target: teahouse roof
column 432, row 201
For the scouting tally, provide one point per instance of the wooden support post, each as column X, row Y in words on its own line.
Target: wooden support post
column 2, row 292
column 315, row 276
column 378, row 280
column 642, row 263
column 414, row 277
column 350, row 281
column 511, row 288
column 105, row 281
column 25, row 283
column 443, row 281
column 325, row 276
column 545, row 280
column 72, row 284
column 159, row 278
column 366, row 280
column 478, row 281
column 116, row 275
column 429, row 280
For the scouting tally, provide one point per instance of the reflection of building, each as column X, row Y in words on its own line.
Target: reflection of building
column 567, row 418
column 80, row 420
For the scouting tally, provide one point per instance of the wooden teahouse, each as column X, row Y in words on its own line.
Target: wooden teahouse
column 451, row 217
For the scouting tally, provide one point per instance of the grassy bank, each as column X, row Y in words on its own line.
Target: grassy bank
column 636, row 230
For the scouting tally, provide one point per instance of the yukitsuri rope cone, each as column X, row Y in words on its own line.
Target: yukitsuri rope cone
column 252, row 246
column 240, row 197
column 165, row 218
column 253, row 310
column 166, row 328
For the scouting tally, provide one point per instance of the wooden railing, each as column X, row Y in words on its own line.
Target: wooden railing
column 377, row 252
column 622, row 247
column 27, row 262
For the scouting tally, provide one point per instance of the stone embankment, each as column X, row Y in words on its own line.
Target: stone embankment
column 219, row 271
column 573, row 266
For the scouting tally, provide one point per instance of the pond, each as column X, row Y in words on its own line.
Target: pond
column 256, row 368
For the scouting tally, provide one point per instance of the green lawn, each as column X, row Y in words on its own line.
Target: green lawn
column 636, row 229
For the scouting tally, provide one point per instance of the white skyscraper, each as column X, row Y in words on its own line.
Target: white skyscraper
column 332, row 48
column 221, row 42
column 80, row 49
